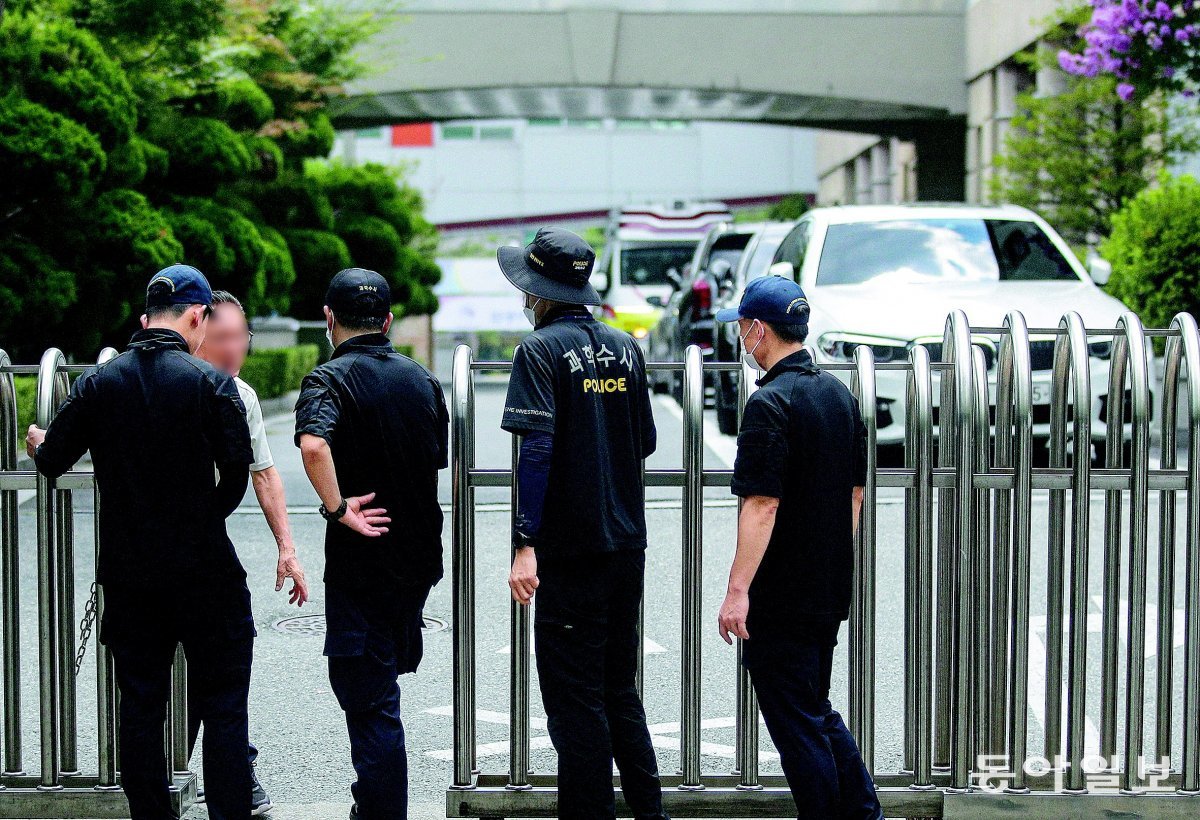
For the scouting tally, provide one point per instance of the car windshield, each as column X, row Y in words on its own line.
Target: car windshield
column 940, row 250
column 764, row 252
column 648, row 264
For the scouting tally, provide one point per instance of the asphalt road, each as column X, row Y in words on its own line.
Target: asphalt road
column 305, row 761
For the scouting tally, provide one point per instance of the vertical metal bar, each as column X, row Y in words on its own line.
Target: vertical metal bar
column 1056, row 549
column 1134, row 340
column 64, row 520
column 981, row 557
column 10, row 576
column 48, row 627
column 1074, row 345
column 462, row 401
column 693, row 490
column 178, row 716
column 943, row 623
column 956, row 349
column 746, row 736
column 1014, row 448
column 518, row 688
column 862, row 644
column 106, row 684
column 1109, row 649
column 1168, row 458
column 918, row 583
column 1185, row 323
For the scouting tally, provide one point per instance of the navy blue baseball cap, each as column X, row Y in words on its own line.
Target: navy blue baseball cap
column 184, row 285
column 771, row 299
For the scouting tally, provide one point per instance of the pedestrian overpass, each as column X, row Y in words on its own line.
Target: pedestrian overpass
column 888, row 67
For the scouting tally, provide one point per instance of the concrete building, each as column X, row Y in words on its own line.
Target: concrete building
column 477, row 172
column 857, row 168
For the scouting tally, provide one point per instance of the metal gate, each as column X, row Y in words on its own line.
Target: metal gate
column 63, row 786
column 968, row 508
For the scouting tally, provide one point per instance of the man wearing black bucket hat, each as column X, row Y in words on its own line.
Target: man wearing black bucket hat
column 372, row 427
column 578, row 399
column 800, row 469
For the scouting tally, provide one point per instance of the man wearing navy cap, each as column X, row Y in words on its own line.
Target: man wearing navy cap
column 800, row 470
column 578, row 399
column 157, row 421
column 372, row 428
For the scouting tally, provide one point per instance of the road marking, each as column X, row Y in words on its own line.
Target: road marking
column 661, row 736
column 723, row 447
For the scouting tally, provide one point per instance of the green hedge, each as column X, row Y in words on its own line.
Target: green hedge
column 278, row 371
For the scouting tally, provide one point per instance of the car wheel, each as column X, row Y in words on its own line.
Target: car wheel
column 658, row 384
column 675, row 385
column 726, row 401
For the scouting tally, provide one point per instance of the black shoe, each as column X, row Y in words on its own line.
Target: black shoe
column 354, row 811
column 260, row 804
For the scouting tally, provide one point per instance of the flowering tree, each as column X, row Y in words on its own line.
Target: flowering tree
column 1148, row 45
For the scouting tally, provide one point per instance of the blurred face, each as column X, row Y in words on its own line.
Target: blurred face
column 227, row 339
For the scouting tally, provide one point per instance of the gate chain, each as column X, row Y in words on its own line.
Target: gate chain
column 85, row 629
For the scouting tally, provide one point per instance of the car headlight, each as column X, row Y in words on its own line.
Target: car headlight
column 839, row 347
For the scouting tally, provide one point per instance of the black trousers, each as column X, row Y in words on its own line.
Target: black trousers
column 585, row 623
column 372, row 639
column 216, row 628
column 820, row 757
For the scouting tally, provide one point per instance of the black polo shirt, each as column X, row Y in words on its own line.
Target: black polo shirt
column 802, row 441
column 585, row 382
column 385, row 419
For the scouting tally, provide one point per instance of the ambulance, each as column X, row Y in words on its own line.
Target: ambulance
column 646, row 255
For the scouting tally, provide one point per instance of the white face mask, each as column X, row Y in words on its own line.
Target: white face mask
column 528, row 311
column 748, row 354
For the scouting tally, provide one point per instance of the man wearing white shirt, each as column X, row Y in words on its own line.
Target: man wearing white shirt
column 226, row 345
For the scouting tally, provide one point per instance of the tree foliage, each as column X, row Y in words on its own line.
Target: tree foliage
column 138, row 133
column 1078, row 156
column 1155, row 251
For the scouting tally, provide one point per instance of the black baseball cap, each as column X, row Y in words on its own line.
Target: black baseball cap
column 359, row 292
column 556, row 265
column 187, row 286
column 772, row 299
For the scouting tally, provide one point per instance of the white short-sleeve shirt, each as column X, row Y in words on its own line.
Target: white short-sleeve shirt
column 258, row 428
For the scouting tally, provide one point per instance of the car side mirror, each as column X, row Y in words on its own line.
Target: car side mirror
column 785, row 269
column 655, row 301
column 1099, row 269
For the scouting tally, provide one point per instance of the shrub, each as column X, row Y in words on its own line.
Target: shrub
column 1154, row 249
column 278, row 371
column 317, row 256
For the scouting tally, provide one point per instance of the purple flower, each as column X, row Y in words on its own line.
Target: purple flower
column 1163, row 12
column 1125, row 91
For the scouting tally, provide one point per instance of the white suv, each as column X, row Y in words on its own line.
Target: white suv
column 888, row 276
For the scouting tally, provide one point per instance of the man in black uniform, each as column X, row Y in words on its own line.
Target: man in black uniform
column 800, row 470
column 372, row 427
column 578, row 398
column 157, row 420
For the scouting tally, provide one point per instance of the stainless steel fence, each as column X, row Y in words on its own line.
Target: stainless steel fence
column 63, row 785
column 969, row 493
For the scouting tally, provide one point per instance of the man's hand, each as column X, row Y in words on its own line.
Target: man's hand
column 363, row 521
column 289, row 567
column 33, row 439
column 523, row 579
column 732, row 618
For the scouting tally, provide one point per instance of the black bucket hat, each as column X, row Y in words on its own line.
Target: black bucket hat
column 556, row 265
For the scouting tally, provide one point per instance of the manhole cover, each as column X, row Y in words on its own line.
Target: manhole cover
column 315, row 625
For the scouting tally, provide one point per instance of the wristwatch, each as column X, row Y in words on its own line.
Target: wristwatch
column 335, row 515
